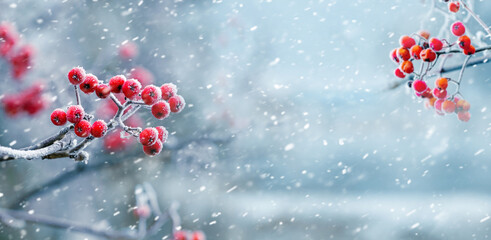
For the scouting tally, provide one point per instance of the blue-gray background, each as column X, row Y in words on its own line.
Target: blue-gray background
column 319, row 149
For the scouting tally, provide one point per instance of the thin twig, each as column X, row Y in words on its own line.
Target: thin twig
column 477, row 18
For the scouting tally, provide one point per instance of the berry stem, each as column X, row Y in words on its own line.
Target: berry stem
column 77, row 95
column 477, row 18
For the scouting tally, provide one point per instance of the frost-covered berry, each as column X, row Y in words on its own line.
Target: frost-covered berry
column 439, row 93
column 163, row 133
column 448, row 106
column 102, row 91
column 82, row 128
column 89, row 84
column 161, row 110
column 149, row 136
column 415, row 51
column 436, row 44
column 441, row 83
column 76, row 75
column 453, row 6
column 58, row 117
column 151, row 94
column 198, row 235
column 177, row 103
column 428, row 55
column 154, row 149
column 403, row 53
column 464, row 42
column 407, row 67
column 458, row 29
column 75, row 113
column 438, row 105
column 116, row 83
column 470, row 50
column 419, row 86
column 131, row 88
column 399, row 73
column 99, row 129
column 143, row 75
column 464, row 116
column 463, row 105
column 169, row 89
column 407, row 41
column 393, row 56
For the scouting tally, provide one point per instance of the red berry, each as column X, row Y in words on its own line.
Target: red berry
column 404, row 54
column 102, row 91
column 458, row 28
column 177, row 103
column 448, row 106
column 407, row 67
column 89, row 84
column 131, row 88
column 198, row 235
column 161, row 110
column 142, row 75
column 163, row 133
column 436, row 44
column 21, row 61
column 415, row 51
column 151, row 94
column 438, row 104
column 441, row 83
column 428, row 55
column 464, row 116
column 463, row 106
column 424, row 34
column 75, row 113
column 393, row 56
column 427, row 93
column 464, row 42
column 419, row 86
column 58, row 117
column 181, row 235
column 76, row 75
column 399, row 73
column 169, row 89
column 113, row 142
column 154, row 149
column 128, row 50
column 82, row 128
column 149, row 136
column 99, row 128
column 470, row 50
column 12, row 105
column 453, row 6
column 116, row 83
column 439, row 93
column 407, row 42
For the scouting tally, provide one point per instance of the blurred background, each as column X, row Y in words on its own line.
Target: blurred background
column 290, row 131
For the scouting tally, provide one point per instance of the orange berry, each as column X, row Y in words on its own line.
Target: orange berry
column 464, row 42
column 415, row 51
column 470, row 50
column 407, row 41
column 448, row 106
column 404, row 54
column 463, row 106
column 428, row 55
column 432, row 101
column 407, row 67
column 441, row 83
column 453, row 6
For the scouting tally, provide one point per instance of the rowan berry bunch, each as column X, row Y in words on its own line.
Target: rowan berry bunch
column 420, row 48
column 30, row 101
column 19, row 56
column 160, row 100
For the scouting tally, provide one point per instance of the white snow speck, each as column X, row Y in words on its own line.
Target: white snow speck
column 1, row 194
column 485, row 219
column 289, row 146
column 415, row 225
column 12, row 143
column 274, row 62
column 253, row 28
column 478, row 152
column 232, row 188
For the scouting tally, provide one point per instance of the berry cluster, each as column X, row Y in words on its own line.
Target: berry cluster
column 30, row 100
column 20, row 57
column 161, row 100
column 420, row 46
column 187, row 235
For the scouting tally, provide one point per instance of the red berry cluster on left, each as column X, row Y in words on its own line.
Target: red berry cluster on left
column 30, row 101
column 75, row 114
column 19, row 56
